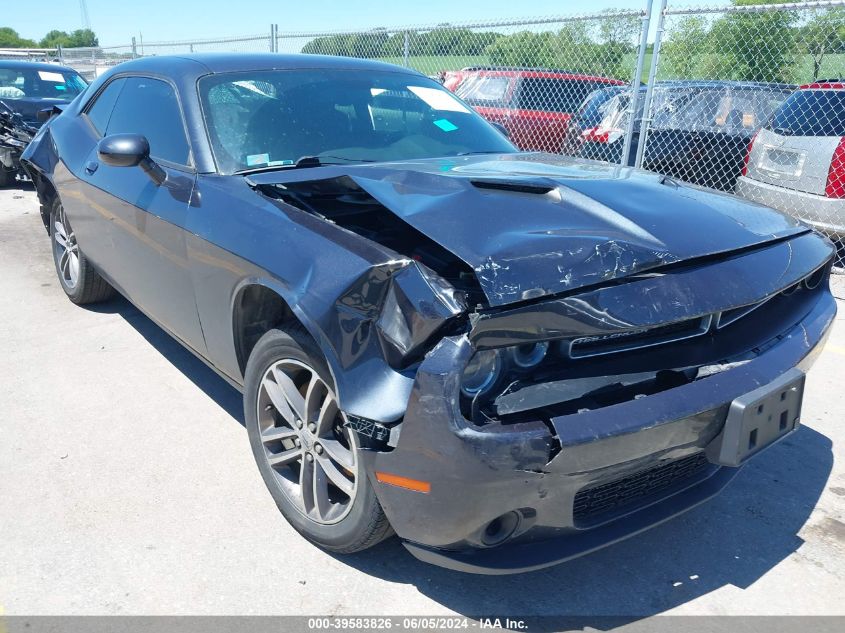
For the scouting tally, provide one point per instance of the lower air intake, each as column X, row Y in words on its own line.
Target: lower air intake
column 591, row 503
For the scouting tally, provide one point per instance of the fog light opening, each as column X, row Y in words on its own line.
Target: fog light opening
column 530, row 354
column 500, row 529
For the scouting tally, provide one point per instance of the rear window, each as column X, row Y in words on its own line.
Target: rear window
column 484, row 90
column 593, row 109
column 811, row 113
column 728, row 110
column 555, row 95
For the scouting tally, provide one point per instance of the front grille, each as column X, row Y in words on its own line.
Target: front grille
column 616, row 495
column 637, row 339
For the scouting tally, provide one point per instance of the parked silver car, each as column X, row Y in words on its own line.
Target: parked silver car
column 796, row 163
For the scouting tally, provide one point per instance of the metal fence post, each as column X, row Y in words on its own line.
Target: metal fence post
column 61, row 54
column 649, row 93
column 635, row 82
column 134, row 48
column 407, row 49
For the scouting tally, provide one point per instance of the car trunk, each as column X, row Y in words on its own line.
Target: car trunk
column 801, row 163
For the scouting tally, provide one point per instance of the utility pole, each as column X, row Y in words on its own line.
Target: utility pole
column 83, row 10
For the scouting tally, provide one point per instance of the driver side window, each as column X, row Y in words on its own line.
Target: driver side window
column 150, row 107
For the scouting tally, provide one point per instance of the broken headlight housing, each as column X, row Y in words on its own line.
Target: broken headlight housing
column 486, row 367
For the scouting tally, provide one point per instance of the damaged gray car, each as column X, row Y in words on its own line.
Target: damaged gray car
column 508, row 359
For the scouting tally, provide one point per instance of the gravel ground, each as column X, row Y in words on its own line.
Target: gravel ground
column 127, row 487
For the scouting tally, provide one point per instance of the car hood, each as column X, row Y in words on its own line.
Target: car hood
column 28, row 107
column 532, row 225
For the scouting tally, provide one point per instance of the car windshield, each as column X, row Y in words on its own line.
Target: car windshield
column 39, row 83
column 811, row 113
column 268, row 119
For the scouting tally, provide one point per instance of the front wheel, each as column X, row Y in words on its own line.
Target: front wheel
column 307, row 455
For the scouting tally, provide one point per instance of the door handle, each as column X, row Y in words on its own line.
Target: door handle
column 91, row 167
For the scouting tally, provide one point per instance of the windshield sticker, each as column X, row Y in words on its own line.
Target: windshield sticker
column 446, row 125
column 439, row 99
column 48, row 76
column 257, row 159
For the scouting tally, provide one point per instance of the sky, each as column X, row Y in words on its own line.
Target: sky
column 116, row 21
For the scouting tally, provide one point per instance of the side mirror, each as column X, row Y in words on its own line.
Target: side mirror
column 502, row 129
column 42, row 116
column 130, row 150
column 123, row 150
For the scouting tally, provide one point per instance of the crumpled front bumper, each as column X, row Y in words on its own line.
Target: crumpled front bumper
column 478, row 474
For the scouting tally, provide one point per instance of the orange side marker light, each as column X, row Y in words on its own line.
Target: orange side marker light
column 404, row 482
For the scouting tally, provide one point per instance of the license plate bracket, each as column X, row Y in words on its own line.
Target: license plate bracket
column 759, row 418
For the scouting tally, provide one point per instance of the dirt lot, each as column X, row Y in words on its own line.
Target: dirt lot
column 127, row 487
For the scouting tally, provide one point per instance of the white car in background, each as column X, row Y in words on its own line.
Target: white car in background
column 796, row 162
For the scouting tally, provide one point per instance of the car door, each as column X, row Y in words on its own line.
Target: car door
column 148, row 259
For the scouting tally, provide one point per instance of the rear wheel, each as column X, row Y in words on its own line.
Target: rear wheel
column 307, row 455
column 81, row 283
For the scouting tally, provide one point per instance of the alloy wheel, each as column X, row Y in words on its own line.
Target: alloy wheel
column 66, row 249
column 305, row 441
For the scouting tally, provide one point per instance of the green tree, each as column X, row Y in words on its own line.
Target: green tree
column 823, row 35
column 9, row 38
column 76, row 39
column 329, row 45
column 523, row 49
column 684, row 49
column 617, row 42
column 753, row 46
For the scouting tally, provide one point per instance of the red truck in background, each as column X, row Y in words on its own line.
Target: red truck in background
column 533, row 104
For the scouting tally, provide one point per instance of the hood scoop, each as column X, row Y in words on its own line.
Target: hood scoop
column 516, row 186
column 511, row 230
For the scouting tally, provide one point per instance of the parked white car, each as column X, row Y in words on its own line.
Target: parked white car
column 796, row 163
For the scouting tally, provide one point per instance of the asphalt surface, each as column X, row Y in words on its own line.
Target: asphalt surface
column 127, row 487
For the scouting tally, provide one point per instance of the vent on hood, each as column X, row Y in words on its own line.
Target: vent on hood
column 514, row 186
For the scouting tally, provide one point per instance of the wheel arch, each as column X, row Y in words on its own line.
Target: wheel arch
column 46, row 192
column 259, row 305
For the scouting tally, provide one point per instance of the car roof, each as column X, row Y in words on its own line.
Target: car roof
column 199, row 64
column 723, row 83
column 541, row 73
column 14, row 64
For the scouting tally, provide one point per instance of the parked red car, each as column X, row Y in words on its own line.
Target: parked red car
column 534, row 105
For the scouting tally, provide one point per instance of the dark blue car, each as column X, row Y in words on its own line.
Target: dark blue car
column 25, row 89
column 508, row 359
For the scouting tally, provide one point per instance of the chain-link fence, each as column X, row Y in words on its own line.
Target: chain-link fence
column 746, row 98
column 750, row 99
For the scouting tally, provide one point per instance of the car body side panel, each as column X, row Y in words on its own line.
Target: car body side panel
column 336, row 296
column 148, row 260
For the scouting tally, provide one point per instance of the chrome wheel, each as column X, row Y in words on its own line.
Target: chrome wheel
column 66, row 249
column 311, row 453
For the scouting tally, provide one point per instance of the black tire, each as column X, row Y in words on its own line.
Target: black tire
column 7, row 176
column 365, row 524
column 89, row 287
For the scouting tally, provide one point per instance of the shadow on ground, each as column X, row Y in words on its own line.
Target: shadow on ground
column 732, row 540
